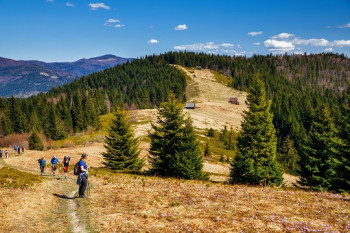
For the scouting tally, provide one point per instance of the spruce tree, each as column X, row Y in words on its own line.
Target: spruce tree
column 6, row 124
column 122, row 146
column 319, row 152
column 255, row 163
column 35, row 142
column 288, row 157
column 207, row 151
column 340, row 166
column 174, row 148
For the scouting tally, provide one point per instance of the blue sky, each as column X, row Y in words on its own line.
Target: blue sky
column 60, row 30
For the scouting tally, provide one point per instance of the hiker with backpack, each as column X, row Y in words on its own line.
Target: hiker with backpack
column 66, row 163
column 42, row 164
column 7, row 153
column 54, row 162
column 1, row 154
column 81, row 169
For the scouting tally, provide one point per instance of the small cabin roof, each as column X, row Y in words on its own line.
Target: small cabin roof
column 190, row 105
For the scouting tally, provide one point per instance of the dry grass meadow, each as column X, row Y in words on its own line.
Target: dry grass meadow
column 137, row 203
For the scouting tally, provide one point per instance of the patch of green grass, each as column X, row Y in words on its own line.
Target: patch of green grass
column 12, row 178
column 217, row 148
column 221, row 78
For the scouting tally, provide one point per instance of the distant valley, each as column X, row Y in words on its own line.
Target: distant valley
column 26, row 78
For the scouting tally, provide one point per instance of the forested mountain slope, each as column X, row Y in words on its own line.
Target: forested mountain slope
column 296, row 84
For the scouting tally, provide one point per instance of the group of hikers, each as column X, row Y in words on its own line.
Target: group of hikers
column 80, row 169
column 16, row 148
column 6, row 153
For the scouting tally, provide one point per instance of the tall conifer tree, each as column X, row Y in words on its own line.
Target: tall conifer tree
column 255, row 162
column 174, row 147
column 319, row 152
column 122, row 146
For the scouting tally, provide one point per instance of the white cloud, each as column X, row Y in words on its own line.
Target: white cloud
column 69, row 4
column 340, row 26
column 113, row 21
column 95, row 6
column 212, row 48
column 226, row 45
column 153, row 41
column 285, row 42
column 278, row 46
column 109, row 22
column 256, row 43
column 181, row 27
column 49, row 0
column 202, row 47
column 239, row 46
column 344, row 26
column 119, row 25
column 255, row 33
column 341, row 43
column 283, row 35
column 328, row 50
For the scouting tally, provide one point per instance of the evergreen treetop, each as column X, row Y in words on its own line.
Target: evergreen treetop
column 122, row 146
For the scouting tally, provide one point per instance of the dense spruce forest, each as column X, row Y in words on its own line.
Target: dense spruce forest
column 298, row 86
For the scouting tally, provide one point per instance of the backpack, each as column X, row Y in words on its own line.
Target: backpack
column 76, row 169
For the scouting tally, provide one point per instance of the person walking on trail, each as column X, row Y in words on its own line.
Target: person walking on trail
column 15, row 148
column 22, row 149
column 19, row 150
column 54, row 162
column 66, row 163
column 83, row 175
column 1, row 154
column 42, row 164
column 7, row 153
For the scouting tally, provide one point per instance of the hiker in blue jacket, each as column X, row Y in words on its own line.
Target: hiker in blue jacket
column 83, row 175
column 42, row 163
column 54, row 162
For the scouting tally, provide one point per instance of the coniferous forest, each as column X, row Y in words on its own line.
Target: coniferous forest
column 301, row 88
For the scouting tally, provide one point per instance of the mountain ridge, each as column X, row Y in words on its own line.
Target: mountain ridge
column 39, row 76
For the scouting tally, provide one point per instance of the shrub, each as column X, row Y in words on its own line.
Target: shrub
column 35, row 142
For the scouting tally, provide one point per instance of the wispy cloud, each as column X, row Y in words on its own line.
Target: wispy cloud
column 286, row 42
column 119, row 26
column 109, row 22
column 181, row 27
column 256, row 43
column 153, row 41
column 69, row 4
column 227, row 45
column 95, row 6
column 255, row 33
column 212, row 48
column 340, row 26
column 328, row 50
column 49, row 0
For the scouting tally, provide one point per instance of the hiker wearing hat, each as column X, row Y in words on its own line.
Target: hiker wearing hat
column 54, row 162
column 83, row 175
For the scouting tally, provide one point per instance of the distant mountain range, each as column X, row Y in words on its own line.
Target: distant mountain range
column 26, row 78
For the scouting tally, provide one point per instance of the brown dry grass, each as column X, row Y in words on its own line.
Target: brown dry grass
column 30, row 210
column 127, row 203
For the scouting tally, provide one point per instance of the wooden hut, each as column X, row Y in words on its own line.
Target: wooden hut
column 190, row 106
column 234, row 100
